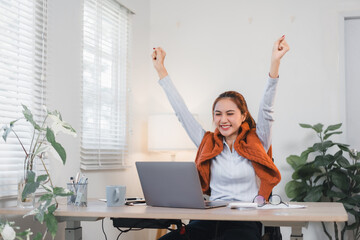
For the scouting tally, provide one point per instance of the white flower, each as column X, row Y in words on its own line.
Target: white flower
column 8, row 232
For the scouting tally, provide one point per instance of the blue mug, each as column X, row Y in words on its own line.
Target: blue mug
column 115, row 195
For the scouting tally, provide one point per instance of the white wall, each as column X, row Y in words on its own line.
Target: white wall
column 212, row 46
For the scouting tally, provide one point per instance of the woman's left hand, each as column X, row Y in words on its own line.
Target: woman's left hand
column 279, row 49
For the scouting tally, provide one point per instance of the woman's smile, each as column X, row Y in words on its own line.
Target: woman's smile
column 225, row 127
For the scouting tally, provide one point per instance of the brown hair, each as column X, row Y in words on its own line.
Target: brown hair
column 240, row 102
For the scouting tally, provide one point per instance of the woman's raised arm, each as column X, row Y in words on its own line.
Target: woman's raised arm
column 190, row 124
column 266, row 109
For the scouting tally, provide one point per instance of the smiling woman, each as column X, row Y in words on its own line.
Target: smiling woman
column 232, row 159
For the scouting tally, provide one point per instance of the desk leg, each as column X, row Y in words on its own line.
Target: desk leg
column 296, row 228
column 73, row 230
column 296, row 233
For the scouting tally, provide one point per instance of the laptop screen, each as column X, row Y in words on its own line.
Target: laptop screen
column 170, row 184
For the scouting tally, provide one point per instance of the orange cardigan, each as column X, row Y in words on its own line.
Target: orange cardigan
column 247, row 145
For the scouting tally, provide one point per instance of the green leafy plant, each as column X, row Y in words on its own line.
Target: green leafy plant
column 43, row 145
column 327, row 172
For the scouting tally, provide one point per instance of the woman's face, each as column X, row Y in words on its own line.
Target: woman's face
column 228, row 118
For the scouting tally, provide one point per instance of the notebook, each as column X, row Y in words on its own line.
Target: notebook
column 172, row 184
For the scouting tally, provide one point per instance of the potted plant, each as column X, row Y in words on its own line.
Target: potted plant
column 328, row 172
column 43, row 145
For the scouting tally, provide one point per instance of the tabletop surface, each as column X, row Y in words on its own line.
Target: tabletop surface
column 313, row 212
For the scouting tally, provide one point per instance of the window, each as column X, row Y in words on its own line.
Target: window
column 104, row 130
column 23, row 26
column 352, row 71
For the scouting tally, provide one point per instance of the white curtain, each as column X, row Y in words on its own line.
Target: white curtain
column 104, row 130
column 23, row 33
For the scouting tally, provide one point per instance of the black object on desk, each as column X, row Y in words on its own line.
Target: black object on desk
column 134, row 201
column 145, row 223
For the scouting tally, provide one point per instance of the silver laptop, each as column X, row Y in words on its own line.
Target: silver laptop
column 172, row 184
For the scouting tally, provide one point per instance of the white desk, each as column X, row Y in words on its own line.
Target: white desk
column 294, row 218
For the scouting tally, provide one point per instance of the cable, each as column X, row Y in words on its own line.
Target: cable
column 127, row 230
column 102, row 226
column 133, row 228
column 119, row 235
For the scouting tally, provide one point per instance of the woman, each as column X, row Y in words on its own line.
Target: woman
column 234, row 162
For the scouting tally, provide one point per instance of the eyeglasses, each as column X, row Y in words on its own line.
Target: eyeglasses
column 274, row 200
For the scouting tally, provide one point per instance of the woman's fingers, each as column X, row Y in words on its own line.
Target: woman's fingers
column 278, row 42
column 283, row 45
column 158, row 54
column 154, row 54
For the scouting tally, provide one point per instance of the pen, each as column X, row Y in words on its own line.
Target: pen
column 81, row 191
column 74, row 190
column 73, row 183
column 77, row 178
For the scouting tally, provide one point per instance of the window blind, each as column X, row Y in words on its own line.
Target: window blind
column 23, row 26
column 104, row 130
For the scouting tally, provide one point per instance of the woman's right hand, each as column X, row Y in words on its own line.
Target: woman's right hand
column 158, row 57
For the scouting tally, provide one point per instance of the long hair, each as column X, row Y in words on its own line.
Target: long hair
column 240, row 102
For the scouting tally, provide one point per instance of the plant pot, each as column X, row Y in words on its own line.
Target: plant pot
column 29, row 200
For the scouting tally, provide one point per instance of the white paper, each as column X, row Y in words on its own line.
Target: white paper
column 236, row 205
column 281, row 206
column 242, row 205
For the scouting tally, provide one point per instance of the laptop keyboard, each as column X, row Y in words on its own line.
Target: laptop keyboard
column 215, row 203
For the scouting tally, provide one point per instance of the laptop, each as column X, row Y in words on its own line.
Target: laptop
column 173, row 184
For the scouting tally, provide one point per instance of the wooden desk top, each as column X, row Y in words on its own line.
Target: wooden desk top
column 314, row 212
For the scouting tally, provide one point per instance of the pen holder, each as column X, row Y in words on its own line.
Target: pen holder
column 80, row 194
